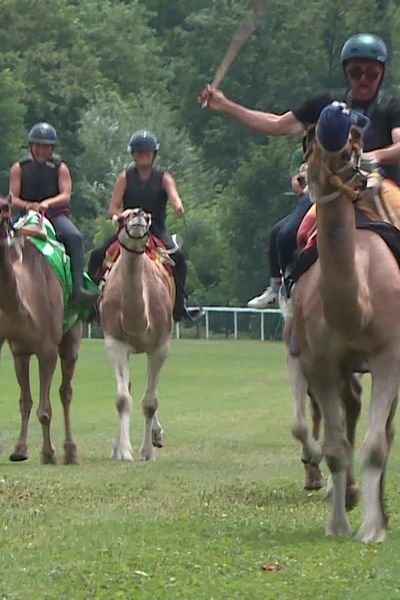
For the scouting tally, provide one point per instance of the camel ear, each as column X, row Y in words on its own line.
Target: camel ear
column 117, row 221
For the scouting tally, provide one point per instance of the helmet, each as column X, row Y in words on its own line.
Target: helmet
column 364, row 45
column 42, row 133
column 143, row 140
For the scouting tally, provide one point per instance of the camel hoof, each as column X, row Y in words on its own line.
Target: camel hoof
column 339, row 529
column 18, row 456
column 371, row 534
column 122, row 454
column 71, row 456
column 49, row 458
column 147, row 455
column 314, row 478
column 158, row 438
column 352, row 496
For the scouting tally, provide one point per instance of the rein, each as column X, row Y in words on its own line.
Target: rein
column 343, row 187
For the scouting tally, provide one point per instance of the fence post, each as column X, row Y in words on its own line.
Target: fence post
column 89, row 331
column 207, row 325
column 235, row 332
column 177, row 331
column 262, row 326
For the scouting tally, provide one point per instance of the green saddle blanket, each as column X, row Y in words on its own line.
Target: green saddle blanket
column 41, row 234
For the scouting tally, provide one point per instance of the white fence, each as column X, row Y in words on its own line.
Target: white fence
column 203, row 328
column 234, row 311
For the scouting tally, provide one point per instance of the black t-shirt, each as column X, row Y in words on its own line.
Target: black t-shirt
column 383, row 111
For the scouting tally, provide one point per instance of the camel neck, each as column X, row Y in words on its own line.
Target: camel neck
column 134, row 304
column 340, row 284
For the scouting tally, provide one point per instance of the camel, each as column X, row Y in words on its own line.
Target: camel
column 345, row 309
column 31, row 320
column 136, row 316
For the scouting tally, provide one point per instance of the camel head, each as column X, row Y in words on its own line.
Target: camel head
column 134, row 230
column 334, row 165
column 5, row 215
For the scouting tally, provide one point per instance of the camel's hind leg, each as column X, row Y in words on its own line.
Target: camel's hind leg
column 118, row 353
column 21, row 363
column 68, row 351
column 153, row 431
column 351, row 400
column 385, row 374
column 47, row 365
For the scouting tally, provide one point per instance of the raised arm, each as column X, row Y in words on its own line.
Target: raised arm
column 263, row 122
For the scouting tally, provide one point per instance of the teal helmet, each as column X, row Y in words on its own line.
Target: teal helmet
column 42, row 133
column 143, row 140
column 366, row 46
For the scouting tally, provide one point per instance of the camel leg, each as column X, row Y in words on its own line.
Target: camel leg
column 351, row 399
column 47, row 365
column 118, row 353
column 311, row 453
column 337, row 449
column 314, row 476
column 68, row 352
column 153, row 432
column 21, row 363
column 376, row 445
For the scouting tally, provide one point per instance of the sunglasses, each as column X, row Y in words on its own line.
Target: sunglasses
column 371, row 73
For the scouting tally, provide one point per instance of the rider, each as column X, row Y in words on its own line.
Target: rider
column 42, row 182
column 149, row 187
column 363, row 59
column 282, row 239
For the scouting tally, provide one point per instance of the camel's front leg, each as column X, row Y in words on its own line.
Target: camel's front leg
column 312, row 454
column 47, row 365
column 337, row 449
column 68, row 351
column 21, row 363
column 153, row 431
column 385, row 371
column 118, row 353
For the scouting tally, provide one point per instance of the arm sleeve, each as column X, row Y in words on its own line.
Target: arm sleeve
column 308, row 113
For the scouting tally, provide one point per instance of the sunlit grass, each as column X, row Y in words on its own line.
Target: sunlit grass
column 223, row 498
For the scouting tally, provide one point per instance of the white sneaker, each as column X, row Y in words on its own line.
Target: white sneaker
column 268, row 299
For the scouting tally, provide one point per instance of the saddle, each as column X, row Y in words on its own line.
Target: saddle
column 378, row 210
column 155, row 250
column 41, row 233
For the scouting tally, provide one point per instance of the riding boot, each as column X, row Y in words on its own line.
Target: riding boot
column 180, row 311
column 80, row 298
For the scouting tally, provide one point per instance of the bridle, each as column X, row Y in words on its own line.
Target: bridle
column 124, row 227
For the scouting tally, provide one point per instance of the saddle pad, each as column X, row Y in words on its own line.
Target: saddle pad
column 42, row 235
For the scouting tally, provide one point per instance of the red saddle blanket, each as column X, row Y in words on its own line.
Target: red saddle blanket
column 155, row 250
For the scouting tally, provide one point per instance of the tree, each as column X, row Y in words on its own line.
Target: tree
column 12, row 111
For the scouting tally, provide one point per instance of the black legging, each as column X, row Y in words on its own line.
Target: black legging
column 282, row 241
column 70, row 236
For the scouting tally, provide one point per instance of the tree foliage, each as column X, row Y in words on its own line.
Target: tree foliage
column 99, row 69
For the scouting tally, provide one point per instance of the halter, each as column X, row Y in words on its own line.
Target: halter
column 132, row 237
column 343, row 187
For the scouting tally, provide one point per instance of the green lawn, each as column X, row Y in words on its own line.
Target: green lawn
column 223, row 498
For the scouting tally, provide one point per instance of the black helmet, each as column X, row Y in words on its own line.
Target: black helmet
column 142, row 141
column 364, row 45
column 42, row 133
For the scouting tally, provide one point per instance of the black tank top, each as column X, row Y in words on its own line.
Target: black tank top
column 39, row 181
column 148, row 195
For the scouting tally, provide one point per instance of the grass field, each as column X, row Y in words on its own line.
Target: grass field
column 223, row 498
